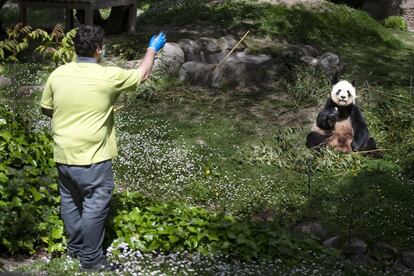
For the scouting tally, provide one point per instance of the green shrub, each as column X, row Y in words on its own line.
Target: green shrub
column 396, row 23
column 28, row 188
column 172, row 227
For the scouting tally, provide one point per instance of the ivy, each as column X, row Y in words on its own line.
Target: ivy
column 28, row 188
column 172, row 227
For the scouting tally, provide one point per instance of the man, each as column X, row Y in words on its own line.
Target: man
column 79, row 97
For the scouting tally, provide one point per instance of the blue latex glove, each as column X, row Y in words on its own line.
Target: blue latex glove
column 157, row 42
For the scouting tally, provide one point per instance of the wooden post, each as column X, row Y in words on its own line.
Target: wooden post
column 69, row 19
column 132, row 18
column 23, row 13
column 89, row 16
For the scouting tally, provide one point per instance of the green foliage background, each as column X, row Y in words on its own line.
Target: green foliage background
column 28, row 190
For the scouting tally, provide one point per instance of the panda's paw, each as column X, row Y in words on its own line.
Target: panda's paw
column 331, row 120
column 355, row 146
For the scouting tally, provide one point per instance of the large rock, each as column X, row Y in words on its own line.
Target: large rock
column 207, row 49
column 313, row 229
column 228, row 42
column 309, row 60
column 5, row 82
column 238, row 74
column 197, row 73
column 331, row 63
column 27, row 90
column 297, row 51
column 209, row 44
column 213, row 58
column 191, row 49
column 362, row 259
column 408, row 259
column 213, row 45
column 355, row 246
column 400, row 268
column 244, row 57
column 334, row 242
column 172, row 58
column 383, row 251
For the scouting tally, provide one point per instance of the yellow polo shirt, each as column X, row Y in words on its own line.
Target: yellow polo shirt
column 82, row 97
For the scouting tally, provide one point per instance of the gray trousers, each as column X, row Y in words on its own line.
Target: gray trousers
column 86, row 192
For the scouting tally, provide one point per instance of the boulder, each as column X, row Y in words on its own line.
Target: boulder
column 238, row 74
column 213, row 58
column 334, row 242
column 383, row 251
column 309, row 60
column 313, row 229
column 330, row 63
column 408, row 258
column 171, row 58
column 244, row 57
column 362, row 259
column 399, row 267
column 355, row 246
column 209, row 44
column 27, row 90
column 191, row 49
column 197, row 73
column 228, row 42
column 5, row 82
column 297, row 51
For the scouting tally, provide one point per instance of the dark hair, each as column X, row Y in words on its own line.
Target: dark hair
column 87, row 39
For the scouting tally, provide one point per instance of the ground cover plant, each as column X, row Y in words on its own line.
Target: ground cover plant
column 234, row 155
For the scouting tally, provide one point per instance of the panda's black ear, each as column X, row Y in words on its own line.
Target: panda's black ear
column 335, row 79
column 353, row 83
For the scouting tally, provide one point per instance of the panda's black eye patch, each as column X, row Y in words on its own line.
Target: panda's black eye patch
column 349, row 94
column 339, row 91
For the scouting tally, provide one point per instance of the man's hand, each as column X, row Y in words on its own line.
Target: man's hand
column 157, row 42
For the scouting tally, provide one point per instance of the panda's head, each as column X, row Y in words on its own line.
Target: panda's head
column 343, row 93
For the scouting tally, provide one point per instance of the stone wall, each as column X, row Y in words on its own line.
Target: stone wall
column 408, row 12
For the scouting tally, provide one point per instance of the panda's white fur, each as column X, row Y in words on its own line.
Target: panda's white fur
column 343, row 93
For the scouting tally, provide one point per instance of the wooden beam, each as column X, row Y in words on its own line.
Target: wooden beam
column 69, row 19
column 132, row 18
column 89, row 16
column 23, row 14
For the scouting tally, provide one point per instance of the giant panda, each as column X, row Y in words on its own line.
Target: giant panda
column 341, row 124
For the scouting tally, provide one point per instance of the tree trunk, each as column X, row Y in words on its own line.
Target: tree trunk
column 2, row 32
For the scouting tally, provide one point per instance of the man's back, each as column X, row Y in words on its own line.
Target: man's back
column 82, row 96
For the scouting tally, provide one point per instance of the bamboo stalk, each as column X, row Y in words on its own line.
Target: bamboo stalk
column 232, row 50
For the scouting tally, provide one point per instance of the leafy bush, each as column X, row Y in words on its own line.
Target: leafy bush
column 57, row 45
column 17, row 40
column 396, row 23
column 28, row 188
column 149, row 226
